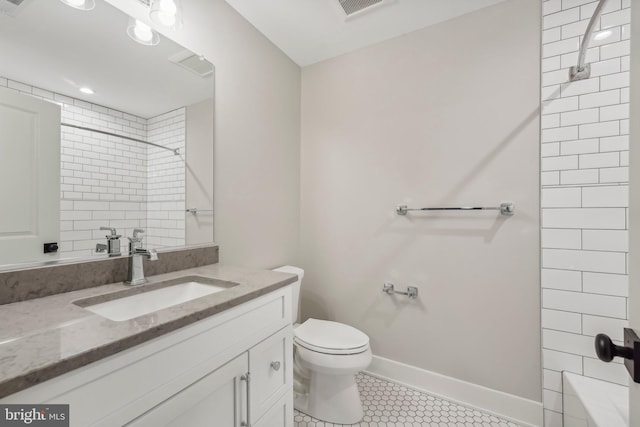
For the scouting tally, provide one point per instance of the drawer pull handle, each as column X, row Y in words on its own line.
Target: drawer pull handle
column 246, row 377
column 275, row 365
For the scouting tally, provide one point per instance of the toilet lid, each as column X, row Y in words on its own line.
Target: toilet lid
column 328, row 335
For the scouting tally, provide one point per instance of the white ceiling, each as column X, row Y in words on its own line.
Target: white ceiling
column 55, row 47
column 309, row 31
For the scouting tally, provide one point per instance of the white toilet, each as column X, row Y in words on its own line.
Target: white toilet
column 327, row 356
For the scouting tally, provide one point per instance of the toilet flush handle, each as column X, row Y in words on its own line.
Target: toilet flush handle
column 275, row 365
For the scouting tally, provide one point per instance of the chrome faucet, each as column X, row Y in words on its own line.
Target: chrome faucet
column 136, row 253
column 113, row 242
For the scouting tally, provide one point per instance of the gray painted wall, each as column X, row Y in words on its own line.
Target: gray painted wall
column 448, row 115
column 199, row 173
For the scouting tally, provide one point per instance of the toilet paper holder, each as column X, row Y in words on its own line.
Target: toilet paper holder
column 389, row 288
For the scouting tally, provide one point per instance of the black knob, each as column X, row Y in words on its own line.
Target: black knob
column 607, row 350
column 50, row 247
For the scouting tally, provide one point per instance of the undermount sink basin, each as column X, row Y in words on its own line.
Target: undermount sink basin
column 131, row 303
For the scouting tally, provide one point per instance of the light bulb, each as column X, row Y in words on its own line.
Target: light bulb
column 143, row 31
column 166, row 19
column 166, row 6
column 166, row 13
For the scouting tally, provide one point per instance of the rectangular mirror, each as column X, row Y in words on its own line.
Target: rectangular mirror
column 114, row 95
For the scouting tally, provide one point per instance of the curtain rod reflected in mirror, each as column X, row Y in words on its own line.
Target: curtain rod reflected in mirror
column 176, row 151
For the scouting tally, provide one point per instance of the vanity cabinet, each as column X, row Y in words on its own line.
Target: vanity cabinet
column 194, row 376
column 243, row 390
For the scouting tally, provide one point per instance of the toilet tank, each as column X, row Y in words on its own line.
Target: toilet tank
column 295, row 286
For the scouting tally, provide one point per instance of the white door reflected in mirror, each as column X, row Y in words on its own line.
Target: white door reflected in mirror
column 30, row 176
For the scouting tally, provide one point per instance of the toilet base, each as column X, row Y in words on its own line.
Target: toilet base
column 332, row 398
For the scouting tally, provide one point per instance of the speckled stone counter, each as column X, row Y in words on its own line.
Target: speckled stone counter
column 46, row 337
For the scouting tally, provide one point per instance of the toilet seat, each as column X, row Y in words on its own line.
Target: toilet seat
column 329, row 350
column 324, row 336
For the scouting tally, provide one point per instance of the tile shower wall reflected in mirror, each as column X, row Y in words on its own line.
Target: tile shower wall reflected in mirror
column 114, row 182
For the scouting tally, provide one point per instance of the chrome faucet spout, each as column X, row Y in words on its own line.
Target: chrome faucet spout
column 136, row 266
column 152, row 254
column 136, row 254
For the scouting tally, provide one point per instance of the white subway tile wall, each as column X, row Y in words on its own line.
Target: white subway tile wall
column 584, row 158
column 108, row 181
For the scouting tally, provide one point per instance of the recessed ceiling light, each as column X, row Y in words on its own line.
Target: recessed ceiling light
column 87, row 90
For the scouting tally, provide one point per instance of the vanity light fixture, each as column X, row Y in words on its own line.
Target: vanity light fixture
column 80, row 4
column 142, row 33
column 167, row 13
column 87, row 90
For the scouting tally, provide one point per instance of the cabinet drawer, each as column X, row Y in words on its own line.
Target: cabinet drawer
column 280, row 414
column 214, row 400
column 270, row 364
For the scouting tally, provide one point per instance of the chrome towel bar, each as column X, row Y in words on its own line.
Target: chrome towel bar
column 504, row 208
column 195, row 211
column 389, row 289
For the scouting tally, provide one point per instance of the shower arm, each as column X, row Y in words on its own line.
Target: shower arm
column 582, row 70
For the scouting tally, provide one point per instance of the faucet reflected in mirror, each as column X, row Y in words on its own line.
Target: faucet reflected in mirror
column 113, row 242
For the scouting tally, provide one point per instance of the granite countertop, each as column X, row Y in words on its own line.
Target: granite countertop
column 46, row 337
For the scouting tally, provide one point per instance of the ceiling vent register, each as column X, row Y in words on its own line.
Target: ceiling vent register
column 356, row 7
column 195, row 63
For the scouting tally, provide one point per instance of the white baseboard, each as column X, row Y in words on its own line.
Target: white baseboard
column 517, row 409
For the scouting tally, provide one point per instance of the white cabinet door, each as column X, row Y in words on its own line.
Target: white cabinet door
column 216, row 400
column 29, row 176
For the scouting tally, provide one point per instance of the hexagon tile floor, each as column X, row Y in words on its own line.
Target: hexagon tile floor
column 388, row 404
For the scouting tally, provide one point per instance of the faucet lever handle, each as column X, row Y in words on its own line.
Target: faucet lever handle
column 136, row 238
column 112, row 229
